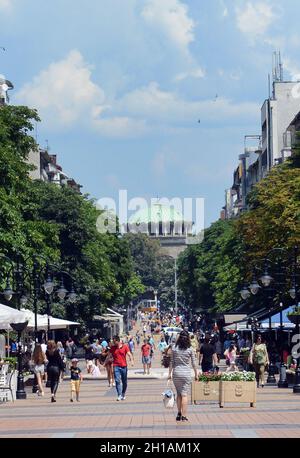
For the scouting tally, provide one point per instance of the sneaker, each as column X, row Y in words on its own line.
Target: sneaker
column 123, row 398
column 119, row 398
column 114, row 384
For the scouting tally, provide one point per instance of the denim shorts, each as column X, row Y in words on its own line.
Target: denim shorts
column 146, row 359
column 39, row 369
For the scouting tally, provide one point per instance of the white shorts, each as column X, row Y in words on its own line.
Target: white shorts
column 39, row 369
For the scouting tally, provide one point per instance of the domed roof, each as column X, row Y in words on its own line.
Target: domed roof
column 157, row 213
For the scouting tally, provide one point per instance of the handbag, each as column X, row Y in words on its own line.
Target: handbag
column 168, row 397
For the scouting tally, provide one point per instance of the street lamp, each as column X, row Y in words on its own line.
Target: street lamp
column 254, row 287
column 49, row 285
column 266, row 279
column 8, row 292
column 19, row 328
column 245, row 293
column 279, row 287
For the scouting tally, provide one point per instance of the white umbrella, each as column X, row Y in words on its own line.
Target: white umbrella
column 42, row 321
column 9, row 315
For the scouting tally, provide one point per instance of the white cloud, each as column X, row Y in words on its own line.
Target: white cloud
column 120, row 126
column 5, row 5
column 167, row 108
column 64, row 93
column 159, row 164
column 293, row 69
column 225, row 11
column 255, row 19
column 65, row 96
column 197, row 73
column 171, row 16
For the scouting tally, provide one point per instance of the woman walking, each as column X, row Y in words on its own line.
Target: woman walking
column 260, row 359
column 182, row 356
column 230, row 355
column 108, row 364
column 54, row 368
column 39, row 359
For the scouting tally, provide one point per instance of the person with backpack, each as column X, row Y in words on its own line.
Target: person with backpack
column 260, row 359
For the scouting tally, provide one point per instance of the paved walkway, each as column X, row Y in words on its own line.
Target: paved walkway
column 98, row 414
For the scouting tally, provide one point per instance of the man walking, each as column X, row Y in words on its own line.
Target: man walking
column 146, row 356
column 119, row 352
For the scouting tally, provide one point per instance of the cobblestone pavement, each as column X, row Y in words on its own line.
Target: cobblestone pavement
column 277, row 414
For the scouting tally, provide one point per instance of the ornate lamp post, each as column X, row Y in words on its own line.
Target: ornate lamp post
column 39, row 277
column 16, row 274
column 19, row 328
column 278, row 281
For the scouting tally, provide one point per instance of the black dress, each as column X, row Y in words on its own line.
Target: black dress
column 54, row 368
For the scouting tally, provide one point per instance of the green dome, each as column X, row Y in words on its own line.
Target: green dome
column 157, row 213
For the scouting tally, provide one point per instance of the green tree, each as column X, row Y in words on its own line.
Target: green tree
column 211, row 271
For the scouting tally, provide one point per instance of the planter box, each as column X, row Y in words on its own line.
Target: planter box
column 291, row 378
column 238, row 392
column 205, row 391
column 294, row 319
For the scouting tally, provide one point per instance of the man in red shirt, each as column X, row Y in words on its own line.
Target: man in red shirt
column 119, row 351
column 146, row 356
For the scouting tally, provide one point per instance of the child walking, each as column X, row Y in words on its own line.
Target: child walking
column 76, row 379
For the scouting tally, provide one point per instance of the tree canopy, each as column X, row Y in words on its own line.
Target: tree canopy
column 60, row 224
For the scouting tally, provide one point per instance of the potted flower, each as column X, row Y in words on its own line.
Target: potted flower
column 206, row 388
column 238, row 387
column 294, row 316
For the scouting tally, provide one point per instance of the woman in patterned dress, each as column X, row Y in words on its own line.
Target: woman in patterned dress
column 182, row 357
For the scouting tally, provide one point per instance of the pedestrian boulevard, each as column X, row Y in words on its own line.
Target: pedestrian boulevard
column 142, row 415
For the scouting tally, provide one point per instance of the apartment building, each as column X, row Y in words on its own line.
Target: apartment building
column 280, row 120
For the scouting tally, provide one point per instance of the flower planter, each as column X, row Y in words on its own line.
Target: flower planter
column 291, row 377
column 205, row 391
column 238, row 392
column 294, row 319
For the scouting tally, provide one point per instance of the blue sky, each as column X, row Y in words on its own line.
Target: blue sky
column 121, row 84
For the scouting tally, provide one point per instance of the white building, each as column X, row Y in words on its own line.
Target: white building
column 279, row 121
column 277, row 113
column 5, row 86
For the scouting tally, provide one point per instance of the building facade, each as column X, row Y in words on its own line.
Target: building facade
column 47, row 169
column 164, row 223
column 5, row 86
column 280, row 120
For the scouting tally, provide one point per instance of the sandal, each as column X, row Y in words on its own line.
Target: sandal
column 178, row 418
column 184, row 418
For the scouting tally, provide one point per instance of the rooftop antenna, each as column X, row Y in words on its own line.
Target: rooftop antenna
column 47, row 145
column 280, row 68
column 277, row 67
